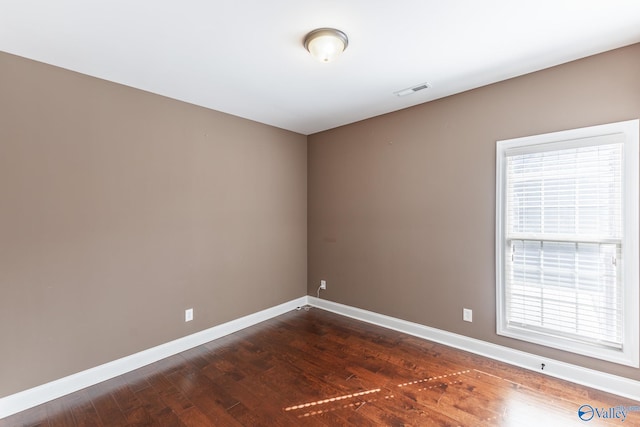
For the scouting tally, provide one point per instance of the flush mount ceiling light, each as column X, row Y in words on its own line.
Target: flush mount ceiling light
column 325, row 44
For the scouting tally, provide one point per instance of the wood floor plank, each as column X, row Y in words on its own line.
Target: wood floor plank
column 205, row 394
column 122, row 394
column 170, row 395
column 36, row 416
column 59, row 414
column 316, row 368
column 83, row 410
column 105, row 405
column 156, row 408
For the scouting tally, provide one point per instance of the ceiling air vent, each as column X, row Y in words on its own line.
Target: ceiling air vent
column 413, row 89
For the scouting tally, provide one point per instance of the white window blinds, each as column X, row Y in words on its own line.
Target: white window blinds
column 563, row 232
column 567, row 240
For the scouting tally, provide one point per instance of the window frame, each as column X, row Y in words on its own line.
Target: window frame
column 629, row 355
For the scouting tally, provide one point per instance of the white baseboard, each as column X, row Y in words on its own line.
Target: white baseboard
column 620, row 386
column 23, row 400
column 35, row 396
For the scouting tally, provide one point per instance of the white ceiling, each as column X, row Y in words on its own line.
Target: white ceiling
column 245, row 57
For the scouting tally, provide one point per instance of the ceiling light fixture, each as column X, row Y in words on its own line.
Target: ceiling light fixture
column 325, row 44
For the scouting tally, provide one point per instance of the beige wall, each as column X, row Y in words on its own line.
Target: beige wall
column 402, row 206
column 120, row 209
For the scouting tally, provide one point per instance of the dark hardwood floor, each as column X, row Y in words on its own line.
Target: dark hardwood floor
column 315, row 368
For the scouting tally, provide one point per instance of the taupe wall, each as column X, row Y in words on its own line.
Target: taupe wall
column 402, row 206
column 120, row 209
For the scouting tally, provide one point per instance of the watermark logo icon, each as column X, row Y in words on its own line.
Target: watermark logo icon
column 586, row 412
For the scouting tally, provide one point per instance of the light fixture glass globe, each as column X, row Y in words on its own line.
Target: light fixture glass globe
column 325, row 44
column 326, row 48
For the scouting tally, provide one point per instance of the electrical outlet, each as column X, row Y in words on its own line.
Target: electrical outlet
column 188, row 315
column 467, row 315
column 323, row 284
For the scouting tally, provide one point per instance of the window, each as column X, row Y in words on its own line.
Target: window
column 567, row 229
